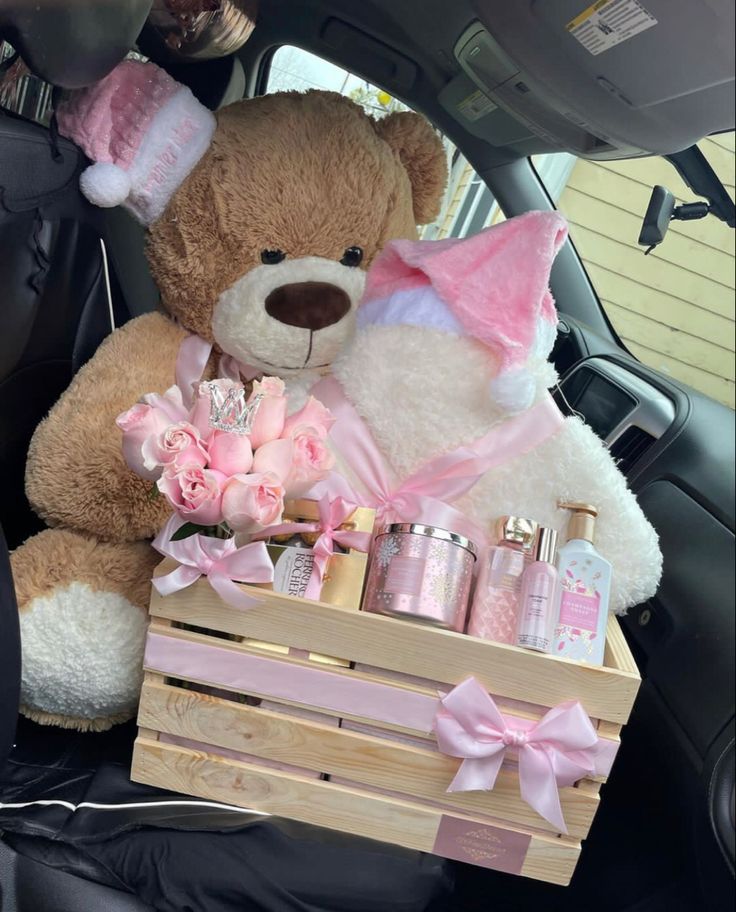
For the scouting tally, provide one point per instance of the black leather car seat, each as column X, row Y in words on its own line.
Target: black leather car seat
column 61, row 294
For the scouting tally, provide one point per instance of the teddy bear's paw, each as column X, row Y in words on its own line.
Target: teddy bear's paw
column 82, row 655
column 83, row 626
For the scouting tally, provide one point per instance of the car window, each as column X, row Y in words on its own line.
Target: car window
column 293, row 69
column 673, row 309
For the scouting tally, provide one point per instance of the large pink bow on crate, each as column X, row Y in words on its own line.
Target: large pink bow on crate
column 332, row 514
column 220, row 560
column 425, row 496
column 557, row 751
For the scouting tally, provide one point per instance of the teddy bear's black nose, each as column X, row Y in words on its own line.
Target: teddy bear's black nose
column 309, row 305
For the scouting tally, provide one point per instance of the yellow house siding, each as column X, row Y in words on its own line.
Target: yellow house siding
column 674, row 309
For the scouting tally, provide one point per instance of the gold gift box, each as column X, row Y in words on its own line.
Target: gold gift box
column 343, row 582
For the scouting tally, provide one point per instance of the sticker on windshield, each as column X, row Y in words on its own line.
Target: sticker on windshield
column 609, row 22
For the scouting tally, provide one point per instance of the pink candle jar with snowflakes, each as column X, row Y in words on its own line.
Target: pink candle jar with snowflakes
column 421, row 573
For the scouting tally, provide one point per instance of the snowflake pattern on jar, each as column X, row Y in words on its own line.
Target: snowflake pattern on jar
column 420, row 576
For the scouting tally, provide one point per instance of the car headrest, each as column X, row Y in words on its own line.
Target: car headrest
column 72, row 43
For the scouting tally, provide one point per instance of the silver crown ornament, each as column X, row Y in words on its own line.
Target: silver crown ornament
column 230, row 411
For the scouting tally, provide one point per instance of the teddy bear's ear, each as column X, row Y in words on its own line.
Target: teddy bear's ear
column 421, row 153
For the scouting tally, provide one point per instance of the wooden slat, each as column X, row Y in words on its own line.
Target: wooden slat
column 377, row 762
column 678, row 250
column 410, row 648
column 324, row 804
column 596, row 247
column 717, row 387
column 513, row 708
column 618, row 655
column 651, row 171
column 597, row 180
column 707, row 356
column 687, row 316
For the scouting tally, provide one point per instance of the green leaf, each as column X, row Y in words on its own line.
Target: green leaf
column 154, row 492
column 187, row 530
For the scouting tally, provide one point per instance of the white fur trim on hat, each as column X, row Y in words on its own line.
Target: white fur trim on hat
column 105, row 184
column 420, row 306
column 177, row 137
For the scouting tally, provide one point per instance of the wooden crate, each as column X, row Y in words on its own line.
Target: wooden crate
column 379, row 778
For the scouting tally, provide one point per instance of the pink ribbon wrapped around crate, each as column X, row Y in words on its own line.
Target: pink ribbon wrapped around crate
column 333, row 512
column 220, row 560
column 557, row 751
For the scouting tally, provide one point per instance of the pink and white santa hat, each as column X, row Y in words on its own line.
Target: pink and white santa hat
column 493, row 287
column 144, row 132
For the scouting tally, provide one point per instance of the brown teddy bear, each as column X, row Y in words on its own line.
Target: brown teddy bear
column 262, row 220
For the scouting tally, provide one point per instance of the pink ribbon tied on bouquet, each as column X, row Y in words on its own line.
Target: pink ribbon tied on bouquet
column 216, row 558
column 333, row 512
column 556, row 751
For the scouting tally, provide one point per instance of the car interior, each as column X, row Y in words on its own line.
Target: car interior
column 504, row 83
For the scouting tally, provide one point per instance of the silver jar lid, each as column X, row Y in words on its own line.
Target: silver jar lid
column 430, row 532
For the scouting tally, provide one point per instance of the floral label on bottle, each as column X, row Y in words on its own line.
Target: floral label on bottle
column 578, row 610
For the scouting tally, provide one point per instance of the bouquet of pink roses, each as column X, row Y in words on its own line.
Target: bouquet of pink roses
column 227, row 462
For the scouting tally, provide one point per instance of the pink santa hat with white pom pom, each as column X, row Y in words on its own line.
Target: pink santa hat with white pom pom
column 493, row 287
column 144, row 132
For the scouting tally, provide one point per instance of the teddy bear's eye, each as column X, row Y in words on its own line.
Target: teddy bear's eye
column 272, row 257
column 353, row 256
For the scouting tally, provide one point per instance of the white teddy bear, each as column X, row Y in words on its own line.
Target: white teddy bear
column 450, row 355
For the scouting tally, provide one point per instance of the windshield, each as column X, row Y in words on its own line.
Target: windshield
column 673, row 309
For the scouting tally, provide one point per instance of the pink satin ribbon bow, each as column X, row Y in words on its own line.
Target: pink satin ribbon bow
column 556, row 751
column 425, row 496
column 332, row 514
column 191, row 361
column 216, row 558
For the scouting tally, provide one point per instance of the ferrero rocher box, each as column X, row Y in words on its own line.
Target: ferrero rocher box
column 293, row 562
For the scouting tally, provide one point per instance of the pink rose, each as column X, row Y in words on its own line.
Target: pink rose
column 170, row 403
column 268, row 422
column 274, row 458
column 252, row 502
column 314, row 415
column 137, row 424
column 178, row 445
column 194, row 493
column 230, row 453
column 202, row 407
column 311, row 462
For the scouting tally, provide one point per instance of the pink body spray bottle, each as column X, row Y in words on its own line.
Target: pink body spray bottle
column 537, row 601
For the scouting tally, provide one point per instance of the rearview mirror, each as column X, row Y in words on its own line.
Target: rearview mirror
column 657, row 219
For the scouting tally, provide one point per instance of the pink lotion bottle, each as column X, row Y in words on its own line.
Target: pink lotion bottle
column 494, row 614
column 537, row 601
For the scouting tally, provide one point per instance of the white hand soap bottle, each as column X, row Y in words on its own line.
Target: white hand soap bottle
column 584, row 590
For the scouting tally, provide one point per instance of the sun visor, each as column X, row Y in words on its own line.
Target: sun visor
column 613, row 79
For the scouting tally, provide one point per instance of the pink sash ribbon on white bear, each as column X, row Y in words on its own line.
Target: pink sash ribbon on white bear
column 557, row 751
column 425, row 496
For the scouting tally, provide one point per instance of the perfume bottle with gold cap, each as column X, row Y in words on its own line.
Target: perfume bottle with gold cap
column 495, row 603
column 583, row 591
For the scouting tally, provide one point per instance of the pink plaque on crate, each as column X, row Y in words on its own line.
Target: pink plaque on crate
column 481, row 844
